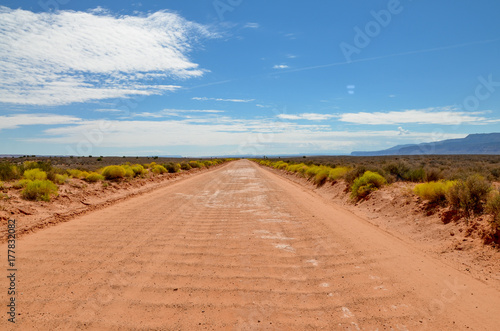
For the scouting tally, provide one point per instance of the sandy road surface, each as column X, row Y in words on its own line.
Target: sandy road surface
column 236, row 248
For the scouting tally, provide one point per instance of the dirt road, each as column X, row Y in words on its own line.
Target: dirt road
column 236, row 248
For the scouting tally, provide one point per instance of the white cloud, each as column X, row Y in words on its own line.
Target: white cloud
column 403, row 131
column 66, row 56
column 104, row 110
column 252, row 25
column 306, row 116
column 291, row 56
column 220, row 99
column 15, row 121
column 176, row 112
column 280, row 66
column 442, row 116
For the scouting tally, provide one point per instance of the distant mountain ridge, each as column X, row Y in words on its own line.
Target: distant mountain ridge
column 481, row 143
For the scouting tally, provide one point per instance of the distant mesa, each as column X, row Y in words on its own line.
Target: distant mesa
column 482, row 143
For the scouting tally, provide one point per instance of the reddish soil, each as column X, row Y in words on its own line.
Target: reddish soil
column 396, row 210
column 237, row 248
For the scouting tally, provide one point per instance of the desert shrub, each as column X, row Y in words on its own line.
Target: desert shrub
column 9, row 171
column 469, row 195
column 1, row 185
column 337, row 173
column 312, row 171
column 195, row 164
column 21, row 183
column 434, row 191
column 138, row 170
column 113, row 172
column 433, row 175
column 94, row 177
column 75, row 173
column 493, row 207
column 321, row 176
column 294, row 167
column 416, row 175
column 398, row 169
column 158, row 169
column 128, row 171
column 364, row 185
column 280, row 165
column 35, row 173
column 172, row 167
column 354, row 174
column 495, row 173
column 60, row 179
column 185, row 166
column 42, row 165
column 39, row 190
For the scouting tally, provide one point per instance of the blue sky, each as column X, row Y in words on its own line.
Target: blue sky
column 198, row 78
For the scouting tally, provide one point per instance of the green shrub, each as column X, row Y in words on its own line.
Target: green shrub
column 493, row 207
column 94, row 177
column 75, row 173
column 354, row 174
column 416, row 175
column 172, row 167
column 138, row 169
column 158, row 169
column 185, row 166
column 280, row 165
column 128, row 171
column 321, row 176
column 434, row 191
column 39, row 190
column 44, row 166
column 337, row 173
column 364, row 185
column 469, row 196
column 398, row 169
column 21, row 183
column 60, row 179
column 34, row 174
column 9, row 171
column 194, row 164
column 113, row 172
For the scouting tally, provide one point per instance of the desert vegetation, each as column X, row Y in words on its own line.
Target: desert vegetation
column 39, row 180
column 465, row 185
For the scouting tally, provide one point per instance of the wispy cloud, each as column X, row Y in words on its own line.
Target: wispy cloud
column 221, row 99
column 306, row 116
column 252, row 25
column 104, row 110
column 441, row 116
column 66, row 56
column 176, row 113
column 280, row 66
column 18, row 120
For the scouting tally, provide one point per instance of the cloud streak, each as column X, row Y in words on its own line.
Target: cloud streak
column 63, row 57
column 221, row 99
column 416, row 116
